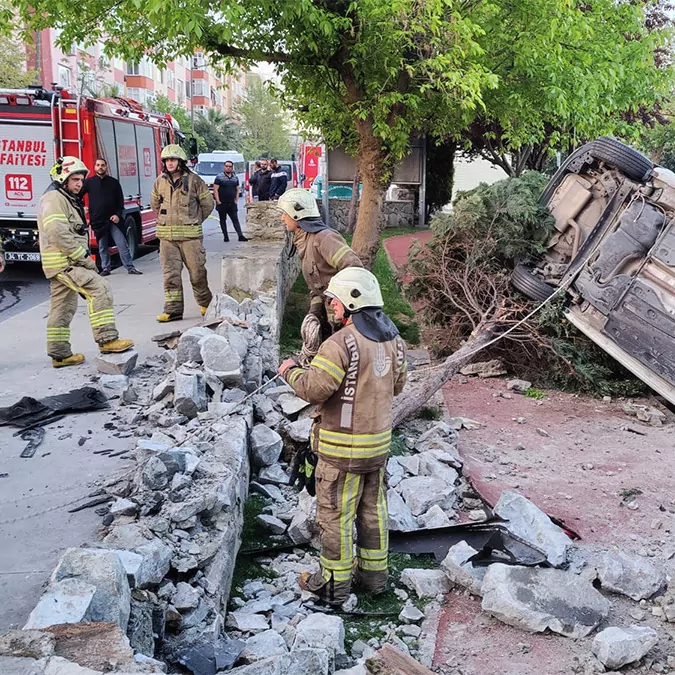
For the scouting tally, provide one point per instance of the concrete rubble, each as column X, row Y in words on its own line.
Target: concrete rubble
column 616, row 647
column 631, row 575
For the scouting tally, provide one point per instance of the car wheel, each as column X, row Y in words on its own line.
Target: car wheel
column 627, row 160
column 131, row 234
column 525, row 280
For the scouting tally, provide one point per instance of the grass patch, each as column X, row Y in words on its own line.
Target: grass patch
column 533, row 392
column 398, row 447
column 430, row 413
column 297, row 305
column 364, row 628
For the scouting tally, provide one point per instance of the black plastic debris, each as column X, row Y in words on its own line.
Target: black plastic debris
column 34, row 438
column 208, row 659
column 491, row 539
column 31, row 412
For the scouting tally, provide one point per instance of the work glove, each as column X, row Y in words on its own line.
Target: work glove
column 302, row 472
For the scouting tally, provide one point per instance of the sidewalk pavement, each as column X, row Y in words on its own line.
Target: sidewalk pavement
column 35, row 526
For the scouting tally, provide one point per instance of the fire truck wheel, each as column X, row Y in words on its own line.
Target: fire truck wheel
column 131, row 233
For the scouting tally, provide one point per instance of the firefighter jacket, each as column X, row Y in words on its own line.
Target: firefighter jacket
column 322, row 254
column 353, row 380
column 181, row 207
column 64, row 237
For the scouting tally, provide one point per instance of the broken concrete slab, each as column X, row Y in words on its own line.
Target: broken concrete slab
column 401, row 518
column 420, row 493
column 164, row 388
column 536, row 599
column 221, row 360
column 297, row 662
column 460, row 571
column 291, row 404
column 209, row 658
column 616, row 647
column 104, row 570
column 271, row 523
column 530, row 523
column 411, row 463
column 426, row 583
column 189, row 349
column 65, row 601
column 435, row 517
column 113, row 386
column 320, row 631
column 273, row 475
column 263, row 645
column 117, row 364
column 266, row 446
column 630, row 574
column 247, row 622
column 190, row 392
column 410, row 614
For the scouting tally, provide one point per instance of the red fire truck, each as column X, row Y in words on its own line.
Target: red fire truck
column 37, row 126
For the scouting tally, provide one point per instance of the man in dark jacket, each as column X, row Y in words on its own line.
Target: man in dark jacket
column 264, row 181
column 279, row 180
column 253, row 181
column 106, row 210
column 225, row 192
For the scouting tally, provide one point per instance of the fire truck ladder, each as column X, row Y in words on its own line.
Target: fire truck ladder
column 61, row 104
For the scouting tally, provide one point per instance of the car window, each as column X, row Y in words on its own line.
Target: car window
column 209, row 168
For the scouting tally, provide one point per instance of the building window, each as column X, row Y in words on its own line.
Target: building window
column 200, row 88
column 64, row 76
column 170, row 79
column 180, row 89
column 144, row 67
column 161, row 77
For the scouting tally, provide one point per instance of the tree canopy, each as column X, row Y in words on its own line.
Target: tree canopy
column 368, row 73
column 264, row 131
column 217, row 131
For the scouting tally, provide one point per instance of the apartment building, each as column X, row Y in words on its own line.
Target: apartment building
column 86, row 70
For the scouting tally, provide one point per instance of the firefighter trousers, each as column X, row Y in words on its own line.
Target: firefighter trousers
column 172, row 256
column 63, row 291
column 343, row 500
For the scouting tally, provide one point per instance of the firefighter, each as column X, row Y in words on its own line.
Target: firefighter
column 64, row 242
column 353, row 379
column 182, row 202
column 322, row 250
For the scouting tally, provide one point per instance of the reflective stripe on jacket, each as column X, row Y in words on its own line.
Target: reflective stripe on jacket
column 323, row 254
column 64, row 237
column 354, row 380
column 182, row 209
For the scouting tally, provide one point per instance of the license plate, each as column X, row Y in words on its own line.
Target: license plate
column 22, row 257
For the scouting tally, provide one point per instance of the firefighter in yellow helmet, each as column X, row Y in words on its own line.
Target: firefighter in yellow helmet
column 322, row 250
column 182, row 202
column 64, row 244
column 353, row 378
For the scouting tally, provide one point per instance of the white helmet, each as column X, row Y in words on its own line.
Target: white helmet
column 298, row 204
column 66, row 167
column 356, row 288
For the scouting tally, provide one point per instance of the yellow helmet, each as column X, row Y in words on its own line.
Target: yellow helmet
column 356, row 288
column 174, row 151
column 298, row 204
column 66, row 167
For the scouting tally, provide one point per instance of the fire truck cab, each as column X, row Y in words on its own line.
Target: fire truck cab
column 37, row 126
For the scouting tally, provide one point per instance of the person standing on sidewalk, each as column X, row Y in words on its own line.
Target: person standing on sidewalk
column 64, row 244
column 226, row 193
column 253, row 181
column 322, row 250
column 279, row 180
column 353, row 379
column 106, row 211
column 182, row 202
column 264, row 181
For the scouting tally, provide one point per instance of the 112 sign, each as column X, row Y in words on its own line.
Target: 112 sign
column 19, row 186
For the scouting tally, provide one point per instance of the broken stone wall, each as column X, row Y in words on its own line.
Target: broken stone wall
column 394, row 214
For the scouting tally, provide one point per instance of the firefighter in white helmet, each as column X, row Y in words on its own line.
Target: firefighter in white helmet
column 64, row 249
column 182, row 202
column 323, row 251
column 353, row 379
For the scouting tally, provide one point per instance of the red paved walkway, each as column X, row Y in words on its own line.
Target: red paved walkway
column 397, row 247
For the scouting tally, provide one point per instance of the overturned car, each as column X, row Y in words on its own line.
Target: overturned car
column 614, row 253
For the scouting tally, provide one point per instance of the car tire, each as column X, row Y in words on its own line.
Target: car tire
column 523, row 279
column 627, row 160
column 131, row 235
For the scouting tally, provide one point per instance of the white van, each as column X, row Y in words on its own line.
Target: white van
column 210, row 164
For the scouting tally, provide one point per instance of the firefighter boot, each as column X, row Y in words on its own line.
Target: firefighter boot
column 116, row 346
column 202, row 310
column 165, row 318
column 72, row 360
column 329, row 592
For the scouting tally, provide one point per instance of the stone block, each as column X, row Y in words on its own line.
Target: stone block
column 22, row 665
column 530, row 523
column 400, row 516
column 104, row 570
column 303, row 527
column 617, row 647
column 266, row 446
column 320, row 631
column 273, row 475
column 164, row 388
column 630, row 574
column 292, row 405
column 221, row 360
column 426, row 583
column 297, row 662
column 460, row 571
column 117, row 364
column 223, row 306
column 188, row 350
column 140, row 629
column 113, row 386
column 263, row 645
column 435, row 517
column 190, row 392
column 299, row 430
column 271, row 523
column 420, row 493
column 185, row 598
column 34, row 644
column 247, row 622
column 536, row 599
column 65, row 601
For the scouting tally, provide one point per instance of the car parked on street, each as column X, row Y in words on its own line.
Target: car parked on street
column 614, row 252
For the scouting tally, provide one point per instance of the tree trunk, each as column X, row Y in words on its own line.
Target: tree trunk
column 371, row 169
column 414, row 397
column 354, row 203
